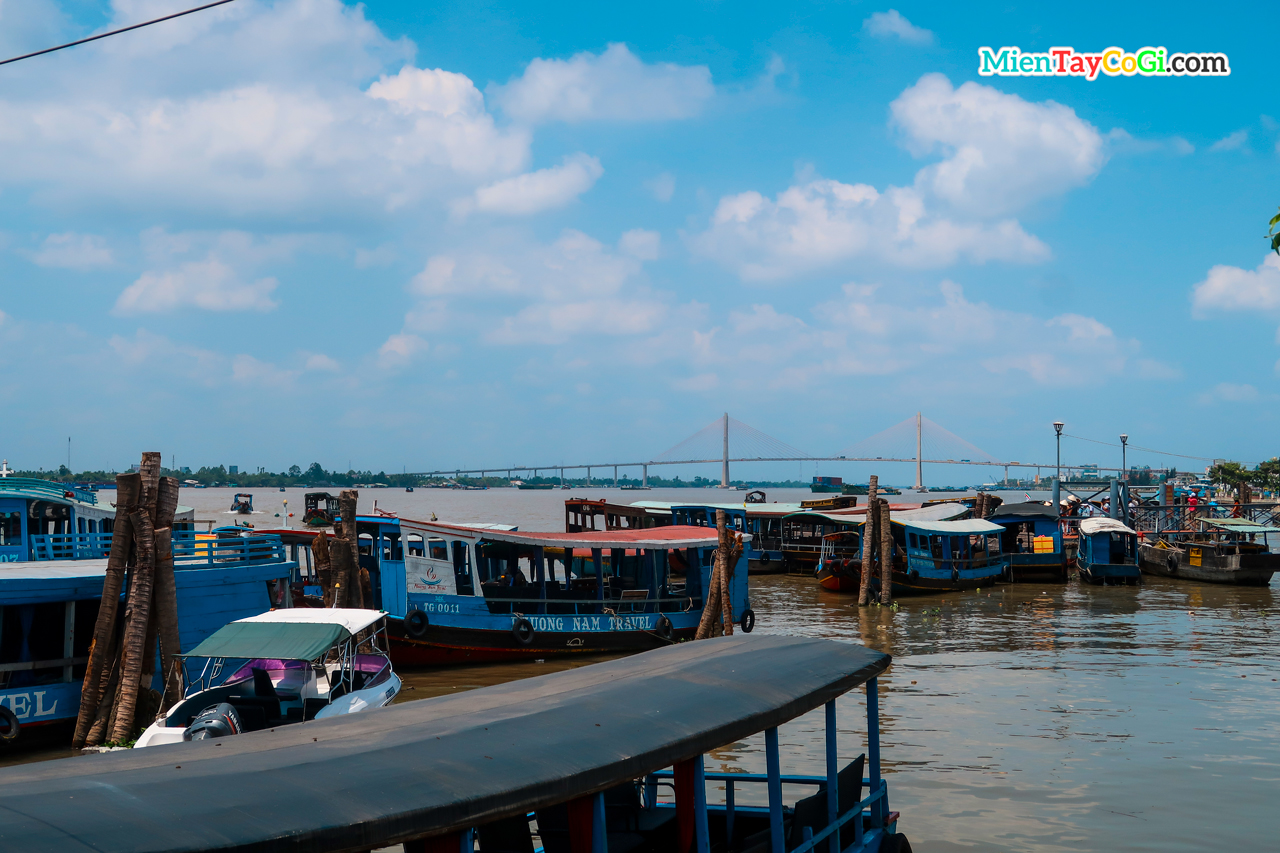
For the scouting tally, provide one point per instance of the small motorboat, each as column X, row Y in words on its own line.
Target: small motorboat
column 408, row 488
column 322, row 509
column 298, row 664
column 1108, row 554
column 242, row 503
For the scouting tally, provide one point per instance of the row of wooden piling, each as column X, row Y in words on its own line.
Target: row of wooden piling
column 877, row 546
column 343, row 582
column 116, row 699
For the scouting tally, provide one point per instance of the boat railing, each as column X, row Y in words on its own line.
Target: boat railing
column 983, row 562
column 189, row 551
column 1183, row 517
column 44, row 488
column 872, row 806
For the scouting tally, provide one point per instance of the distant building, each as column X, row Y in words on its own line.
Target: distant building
column 186, row 469
column 233, row 469
column 135, row 468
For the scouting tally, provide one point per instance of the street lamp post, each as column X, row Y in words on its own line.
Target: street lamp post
column 1057, row 428
column 1124, row 467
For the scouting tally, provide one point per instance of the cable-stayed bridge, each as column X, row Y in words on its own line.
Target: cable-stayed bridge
column 727, row 440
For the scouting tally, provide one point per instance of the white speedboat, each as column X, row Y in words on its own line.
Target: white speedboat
column 286, row 666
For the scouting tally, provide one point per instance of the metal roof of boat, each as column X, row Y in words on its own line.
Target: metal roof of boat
column 433, row 766
column 244, row 639
column 1031, row 509
column 673, row 536
column 774, row 508
column 1090, row 526
column 965, row 526
column 1240, row 525
column 901, row 513
column 354, row 619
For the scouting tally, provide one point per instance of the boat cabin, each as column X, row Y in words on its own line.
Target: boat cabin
column 604, row 757
column 280, row 667
column 946, row 555
column 1032, row 539
column 484, row 593
column 242, row 503
column 1108, row 552
column 585, row 514
column 321, row 509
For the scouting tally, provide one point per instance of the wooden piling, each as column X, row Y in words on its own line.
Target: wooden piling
column 102, row 650
column 348, row 501
column 868, row 543
column 324, row 570
column 886, row 554
column 137, row 614
column 711, row 607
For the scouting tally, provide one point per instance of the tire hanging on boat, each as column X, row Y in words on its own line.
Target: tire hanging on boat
column 416, row 624
column 664, row 628
column 748, row 622
column 9, row 726
column 522, row 630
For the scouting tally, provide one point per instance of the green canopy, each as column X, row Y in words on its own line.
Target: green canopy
column 280, row 640
column 1242, row 525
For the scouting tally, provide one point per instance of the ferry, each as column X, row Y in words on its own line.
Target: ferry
column 610, row 756
column 295, row 665
column 1225, row 550
column 1032, row 539
column 477, row 594
column 811, row 532
column 1107, row 554
column 32, row 511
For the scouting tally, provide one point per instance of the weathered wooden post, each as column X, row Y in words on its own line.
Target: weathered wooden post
column 711, row 604
column 348, row 501
column 166, row 594
column 98, row 672
column 886, row 554
column 868, row 543
column 324, row 571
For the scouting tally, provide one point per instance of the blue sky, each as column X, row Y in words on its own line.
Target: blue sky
column 499, row 233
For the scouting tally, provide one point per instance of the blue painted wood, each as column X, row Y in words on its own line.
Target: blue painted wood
column 701, row 835
column 833, row 770
column 873, row 749
column 774, row 765
column 599, row 825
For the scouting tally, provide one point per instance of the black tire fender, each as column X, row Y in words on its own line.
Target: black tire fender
column 1171, row 562
column 664, row 629
column 522, row 630
column 9, row 725
column 896, row 843
column 748, row 622
column 416, row 624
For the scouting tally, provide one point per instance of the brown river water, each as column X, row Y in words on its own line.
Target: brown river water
column 1016, row 718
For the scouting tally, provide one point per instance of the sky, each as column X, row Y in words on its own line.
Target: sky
column 408, row 236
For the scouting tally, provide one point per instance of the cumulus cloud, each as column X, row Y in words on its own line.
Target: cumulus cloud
column 535, row 192
column 209, row 284
column 824, row 222
column 251, row 107
column 611, row 86
column 73, row 251
column 1000, row 152
column 1229, row 392
column 891, row 24
column 1228, row 288
column 320, row 361
column 641, row 244
column 663, row 187
column 399, row 350
column 1232, row 141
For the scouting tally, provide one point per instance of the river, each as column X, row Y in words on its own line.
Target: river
column 1031, row 718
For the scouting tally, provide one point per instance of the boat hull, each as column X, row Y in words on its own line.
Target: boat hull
column 1162, row 560
column 1038, row 568
column 904, row 583
column 444, row 645
column 768, row 563
column 1109, row 574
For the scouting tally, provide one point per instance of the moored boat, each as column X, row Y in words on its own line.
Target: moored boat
column 1226, row 550
column 295, row 665
column 1032, row 539
column 478, row 594
column 1107, row 553
column 242, row 504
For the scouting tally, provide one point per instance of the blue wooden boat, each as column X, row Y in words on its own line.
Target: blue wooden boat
column 1032, row 539
column 762, row 521
column 48, row 608
column 468, row 594
column 1108, row 553
column 603, row 757
column 242, row 503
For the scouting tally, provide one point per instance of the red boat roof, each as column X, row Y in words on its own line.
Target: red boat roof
column 649, row 537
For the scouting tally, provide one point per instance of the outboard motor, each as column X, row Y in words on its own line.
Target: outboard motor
column 214, row 722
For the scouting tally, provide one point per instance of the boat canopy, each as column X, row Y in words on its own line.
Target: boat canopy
column 1019, row 512
column 1240, row 525
column 435, row 765
column 659, row 538
column 965, row 527
column 279, row 640
column 1090, row 526
column 903, row 514
column 354, row 619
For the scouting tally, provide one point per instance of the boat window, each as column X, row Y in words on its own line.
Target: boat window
column 939, row 546
column 414, row 544
column 437, row 549
column 911, row 538
column 366, row 544
column 10, row 528
column 462, row 568
column 391, row 549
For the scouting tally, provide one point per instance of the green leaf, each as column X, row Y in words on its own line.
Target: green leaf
column 1275, row 244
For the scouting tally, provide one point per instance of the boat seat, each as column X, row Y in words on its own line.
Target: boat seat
column 253, row 712
column 312, row 706
column 509, row 835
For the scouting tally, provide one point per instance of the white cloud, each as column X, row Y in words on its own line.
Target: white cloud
column 320, row 361
column 663, row 187
column 698, row 383
column 612, row 86
column 555, row 323
column 1228, row 288
column 538, row 191
column 641, row 244
column 1000, row 152
column 891, row 24
column 1232, row 141
column 399, row 350
column 1228, row 392
column 251, row 107
column 73, row 251
column 209, row 284
column 824, row 223
column 248, row 370
column 377, row 257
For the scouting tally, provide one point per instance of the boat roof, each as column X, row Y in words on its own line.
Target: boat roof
column 964, row 526
column 900, row 513
column 434, row 765
column 354, row 619
column 1030, row 509
column 775, row 508
column 673, row 536
column 1240, row 525
column 1090, row 526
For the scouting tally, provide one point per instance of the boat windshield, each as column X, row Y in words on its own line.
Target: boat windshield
column 269, row 664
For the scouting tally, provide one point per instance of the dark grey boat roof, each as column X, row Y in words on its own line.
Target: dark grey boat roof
column 430, row 766
column 1024, row 510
